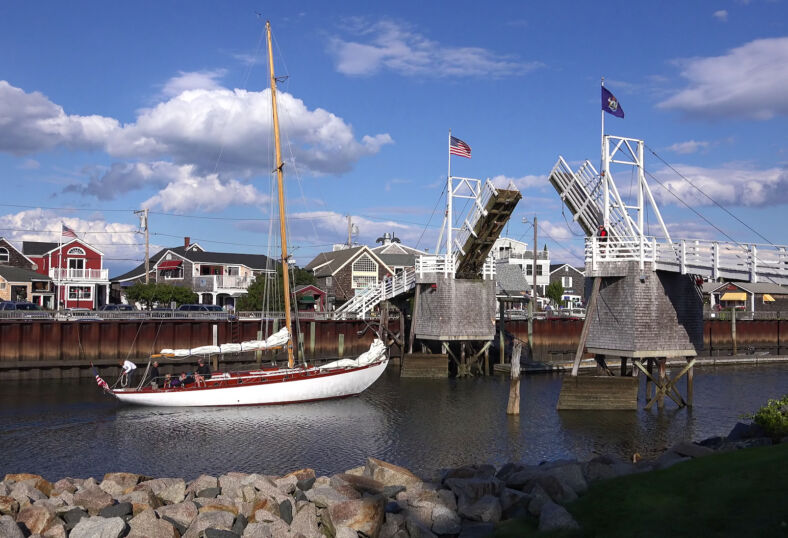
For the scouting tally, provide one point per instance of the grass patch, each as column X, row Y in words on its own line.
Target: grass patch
column 741, row 493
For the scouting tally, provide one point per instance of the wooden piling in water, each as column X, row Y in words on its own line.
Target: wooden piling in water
column 513, row 407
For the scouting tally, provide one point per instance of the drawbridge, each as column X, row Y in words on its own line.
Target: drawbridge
column 594, row 200
column 469, row 240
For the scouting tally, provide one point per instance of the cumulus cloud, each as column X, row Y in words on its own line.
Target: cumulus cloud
column 232, row 129
column 189, row 191
column 730, row 185
column 193, row 80
column 522, row 183
column 30, row 122
column 208, row 126
column 121, row 178
column 690, row 146
column 388, row 45
column 747, row 82
column 118, row 241
column 721, row 15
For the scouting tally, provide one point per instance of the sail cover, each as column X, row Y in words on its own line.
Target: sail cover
column 276, row 340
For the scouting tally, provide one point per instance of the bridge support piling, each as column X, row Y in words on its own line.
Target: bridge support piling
column 690, row 382
column 662, row 361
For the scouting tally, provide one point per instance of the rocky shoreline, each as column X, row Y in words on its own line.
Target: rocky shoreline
column 379, row 499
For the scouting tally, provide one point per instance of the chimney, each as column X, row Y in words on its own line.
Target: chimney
column 187, row 241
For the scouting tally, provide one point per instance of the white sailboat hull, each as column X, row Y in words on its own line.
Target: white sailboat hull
column 264, row 389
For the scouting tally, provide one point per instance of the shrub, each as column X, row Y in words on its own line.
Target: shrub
column 773, row 417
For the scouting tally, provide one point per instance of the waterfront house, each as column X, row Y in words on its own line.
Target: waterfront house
column 76, row 269
column 395, row 255
column 17, row 284
column 218, row 278
column 511, row 288
column 573, row 281
column 310, row 298
column 13, row 257
column 748, row 297
column 513, row 252
column 341, row 272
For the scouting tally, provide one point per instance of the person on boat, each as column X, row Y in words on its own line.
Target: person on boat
column 173, row 382
column 203, row 372
column 168, row 381
column 128, row 369
column 186, row 379
column 154, row 373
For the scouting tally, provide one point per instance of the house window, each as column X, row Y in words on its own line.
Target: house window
column 566, row 281
column 4, row 256
column 76, row 251
column 233, row 270
column 329, row 281
column 529, row 270
column 80, row 293
column 539, row 269
column 174, row 273
column 76, row 263
column 2, row 285
column 365, row 272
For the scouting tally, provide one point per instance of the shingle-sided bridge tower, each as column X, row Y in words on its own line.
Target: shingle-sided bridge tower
column 645, row 304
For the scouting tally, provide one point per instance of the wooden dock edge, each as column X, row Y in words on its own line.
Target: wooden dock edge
column 598, row 393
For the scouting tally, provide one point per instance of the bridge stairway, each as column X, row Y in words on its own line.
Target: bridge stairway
column 482, row 229
column 367, row 298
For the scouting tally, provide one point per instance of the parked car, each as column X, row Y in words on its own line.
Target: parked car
column 200, row 308
column 18, row 305
column 117, row 308
column 23, row 309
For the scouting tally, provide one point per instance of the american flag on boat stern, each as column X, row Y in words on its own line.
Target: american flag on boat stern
column 100, row 382
column 458, row 147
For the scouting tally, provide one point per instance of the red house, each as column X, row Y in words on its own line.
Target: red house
column 76, row 269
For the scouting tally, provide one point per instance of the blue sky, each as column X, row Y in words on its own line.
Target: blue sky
column 109, row 107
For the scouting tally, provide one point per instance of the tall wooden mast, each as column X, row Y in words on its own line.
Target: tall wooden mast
column 280, row 190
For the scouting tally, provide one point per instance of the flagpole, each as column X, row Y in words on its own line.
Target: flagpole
column 59, row 263
column 448, row 206
column 605, row 216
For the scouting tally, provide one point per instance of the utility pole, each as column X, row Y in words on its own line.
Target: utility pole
column 349, row 232
column 143, row 215
column 532, row 302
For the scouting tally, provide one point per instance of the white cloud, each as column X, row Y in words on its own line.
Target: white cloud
column 748, row 82
column 191, row 192
column 522, row 183
column 721, row 15
column 118, row 241
column 30, row 164
column 734, row 184
column 29, row 122
column 120, row 178
column 215, row 128
column 193, row 80
column 690, row 146
column 232, row 129
column 397, row 47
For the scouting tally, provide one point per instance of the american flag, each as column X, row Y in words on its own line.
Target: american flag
column 458, row 147
column 68, row 232
column 100, row 382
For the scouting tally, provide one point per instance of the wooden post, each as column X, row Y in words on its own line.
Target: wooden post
column 464, row 361
column 413, row 318
column 650, row 368
column 690, row 383
column 733, row 328
column 623, row 366
column 312, row 338
column 662, row 382
column 401, row 336
column 487, row 360
column 501, row 332
column 586, row 324
column 341, row 345
column 513, row 408
column 215, row 334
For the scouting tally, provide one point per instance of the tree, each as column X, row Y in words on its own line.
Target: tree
column 163, row 294
column 555, row 292
column 266, row 285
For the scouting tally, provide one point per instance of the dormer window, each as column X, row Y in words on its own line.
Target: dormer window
column 4, row 255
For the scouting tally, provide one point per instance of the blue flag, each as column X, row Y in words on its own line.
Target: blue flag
column 610, row 104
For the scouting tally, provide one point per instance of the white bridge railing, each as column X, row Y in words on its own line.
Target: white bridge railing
column 367, row 298
column 710, row 259
column 447, row 265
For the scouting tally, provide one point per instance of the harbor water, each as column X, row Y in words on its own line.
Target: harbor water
column 70, row 428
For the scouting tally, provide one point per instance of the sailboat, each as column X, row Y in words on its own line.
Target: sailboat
column 270, row 386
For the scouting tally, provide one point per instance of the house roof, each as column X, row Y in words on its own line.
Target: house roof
column 17, row 274
column 510, row 281
column 303, row 288
column 39, row 248
column 556, row 266
column 253, row 261
column 751, row 287
column 328, row 263
column 5, row 241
